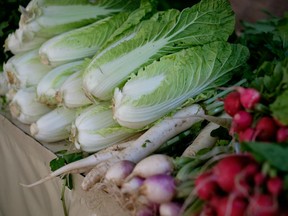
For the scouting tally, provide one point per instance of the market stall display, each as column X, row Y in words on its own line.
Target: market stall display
column 176, row 89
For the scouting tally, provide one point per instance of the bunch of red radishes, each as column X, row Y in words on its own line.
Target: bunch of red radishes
column 148, row 185
column 235, row 186
column 248, row 122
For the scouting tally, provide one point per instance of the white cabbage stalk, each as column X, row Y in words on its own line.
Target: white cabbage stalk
column 81, row 42
column 10, row 94
column 166, row 85
column 54, row 126
column 43, row 19
column 25, row 108
column 21, row 41
column 95, row 129
column 50, row 84
column 164, row 33
column 25, row 69
column 71, row 93
column 4, row 85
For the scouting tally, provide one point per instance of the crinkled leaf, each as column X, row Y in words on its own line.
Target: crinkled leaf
column 279, row 108
column 164, row 85
column 273, row 153
column 166, row 32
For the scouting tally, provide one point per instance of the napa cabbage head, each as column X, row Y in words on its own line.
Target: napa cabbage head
column 164, row 33
column 165, row 85
column 43, row 19
column 84, row 42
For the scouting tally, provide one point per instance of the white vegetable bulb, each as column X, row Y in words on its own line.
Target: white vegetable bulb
column 95, row 129
column 43, row 19
column 25, row 108
column 50, row 84
column 54, row 126
column 81, row 42
column 4, row 86
column 71, row 93
column 25, row 69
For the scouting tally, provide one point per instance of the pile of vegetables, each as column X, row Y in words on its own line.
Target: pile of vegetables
column 164, row 109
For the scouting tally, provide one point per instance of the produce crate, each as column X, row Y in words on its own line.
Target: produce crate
column 24, row 160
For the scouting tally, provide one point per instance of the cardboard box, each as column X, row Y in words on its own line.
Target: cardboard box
column 24, row 160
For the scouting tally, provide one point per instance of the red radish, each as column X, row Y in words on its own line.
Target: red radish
column 242, row 120
column 249, row 97
column 259, row 178
column 206, row 187
column 232, row 206
column 228, row 168
column 282, row 134
column 251, row 169
column 232, row 103
column 275, row 185
column 247, row 135
column 263, row 205
column 278, row 122
column 208, row 210
column 215, row 200
column 159, row 188
column 266, row 129
column 243, row 180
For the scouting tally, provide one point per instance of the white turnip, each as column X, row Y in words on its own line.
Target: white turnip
column 159, row 188
column 132, row 186
column 170, row 209
column 152, row 165
column 119, row 171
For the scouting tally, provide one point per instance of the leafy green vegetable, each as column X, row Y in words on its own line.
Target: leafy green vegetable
column 25, row 69
column 279, row 108
column 266, row 39
column 41, row 20
column 165, row 85
column 51, row 82
column 94, row 128
column 84, row 42
column 271, row 79
column 273, row 153
column 63, row 159
column 165, row 33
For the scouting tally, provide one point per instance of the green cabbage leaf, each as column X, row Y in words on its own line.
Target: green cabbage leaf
column 165, row 85
column 164, row 33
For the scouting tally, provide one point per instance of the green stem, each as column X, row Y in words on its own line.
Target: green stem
column 63, row 197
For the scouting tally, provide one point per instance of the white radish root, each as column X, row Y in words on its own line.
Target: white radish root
column 204, row 139
column 134, row 151
column 82, row 165
column 148, row 142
